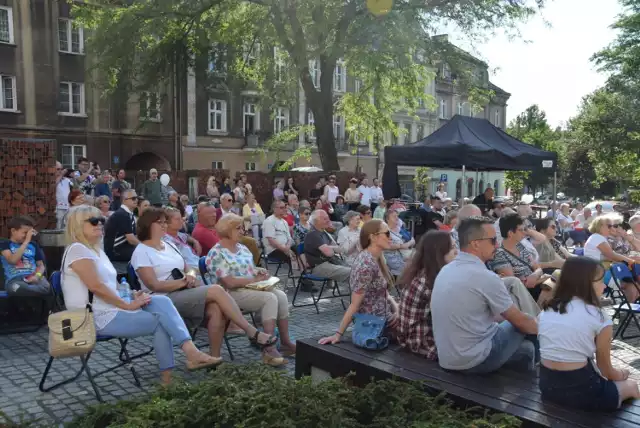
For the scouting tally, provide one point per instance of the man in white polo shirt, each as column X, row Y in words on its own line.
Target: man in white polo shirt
column 365, row 191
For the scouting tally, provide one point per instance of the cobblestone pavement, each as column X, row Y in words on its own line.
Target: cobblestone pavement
column 23, row 358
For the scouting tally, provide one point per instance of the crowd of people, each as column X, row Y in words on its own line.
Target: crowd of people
column 480, row 287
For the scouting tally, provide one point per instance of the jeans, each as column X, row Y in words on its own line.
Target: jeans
column 159, row 318
column 509, row 346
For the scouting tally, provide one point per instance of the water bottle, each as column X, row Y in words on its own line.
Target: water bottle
column 124, row 290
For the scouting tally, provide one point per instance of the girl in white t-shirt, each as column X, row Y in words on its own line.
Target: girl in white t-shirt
column 86, row 268
column 571, row 329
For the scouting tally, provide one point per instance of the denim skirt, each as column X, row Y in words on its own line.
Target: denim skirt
column 583, row 389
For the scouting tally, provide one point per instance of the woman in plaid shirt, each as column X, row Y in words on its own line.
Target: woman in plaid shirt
column 434, row 250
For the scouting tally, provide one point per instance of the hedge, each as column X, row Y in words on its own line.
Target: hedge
column 251, row 396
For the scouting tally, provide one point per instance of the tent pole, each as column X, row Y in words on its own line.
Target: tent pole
column 463, row 183
column 555, row 193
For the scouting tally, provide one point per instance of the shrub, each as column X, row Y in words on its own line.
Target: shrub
column 256, row 396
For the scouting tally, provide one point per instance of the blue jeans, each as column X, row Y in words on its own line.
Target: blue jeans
column 159, row 318
column 509, row 346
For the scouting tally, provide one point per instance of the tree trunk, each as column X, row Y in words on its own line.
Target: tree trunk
column 325, row 140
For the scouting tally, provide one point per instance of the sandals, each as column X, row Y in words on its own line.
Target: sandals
column 210, row 363
column 254, row 340
column 273, row 360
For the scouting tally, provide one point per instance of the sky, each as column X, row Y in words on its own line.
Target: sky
column 549, row 65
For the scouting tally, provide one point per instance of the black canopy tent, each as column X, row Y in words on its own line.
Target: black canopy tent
column 465, row 143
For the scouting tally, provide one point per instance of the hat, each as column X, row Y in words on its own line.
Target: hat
column 550, row 283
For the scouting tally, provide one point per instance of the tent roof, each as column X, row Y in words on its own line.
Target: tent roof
column 472, row 142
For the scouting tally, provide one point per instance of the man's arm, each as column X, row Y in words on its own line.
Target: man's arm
column 523, row 322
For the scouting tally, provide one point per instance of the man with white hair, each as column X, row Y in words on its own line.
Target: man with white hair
column 152, row 189
column 323, row 254
column 63, row 188
column 466, row 211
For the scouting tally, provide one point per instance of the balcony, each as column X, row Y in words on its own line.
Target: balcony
column 258, row 140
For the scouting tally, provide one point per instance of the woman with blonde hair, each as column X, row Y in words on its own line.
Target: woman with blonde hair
column 87, row 269
column 212, row 189
column 231, row 264
column 103, row 203
column 253, row 215
column 370, row 279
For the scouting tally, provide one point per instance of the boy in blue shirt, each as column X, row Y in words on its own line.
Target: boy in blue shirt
column 23, row 260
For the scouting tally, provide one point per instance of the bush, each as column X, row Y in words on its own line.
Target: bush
column 257, row 396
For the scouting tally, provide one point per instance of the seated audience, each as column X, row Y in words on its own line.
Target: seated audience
column 278, row 191
column 205, row 230
column 143, row 205
column 465, row 212
column 317, row 191
column 563, row 217
column 577, row 210
column 301, row 229
column 450, row 220
column 276, row 238
column 370, row 280
column 349, row 237
column 399, row 250
column 86, row 268
column 292, row 215
column 120, row 231
column 230, row 264
column 340, row 209
column 365, row 214
column 163, row 271
column 551, row 252
column 380, row 210
column 189, row 248
column 352, row 195
column 512, row 258
column 76, row 198
column 621, row 242
column 253, row 216
column 103, row 203
column 415, row 331
column 634, row 224
column 103, row 185
column 23, row 260
column 431, row 216
column 465, row 302
column 239, row 192
column 226, row 206
column 571, row 329
column 322, row 253
column 188, row 209
column 484, row 201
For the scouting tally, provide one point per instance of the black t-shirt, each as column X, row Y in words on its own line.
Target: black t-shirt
column 483, row 203
column 429, row 218
column 119, row 224
column 312, row 243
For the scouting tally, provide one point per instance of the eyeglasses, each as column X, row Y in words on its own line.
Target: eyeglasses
column 493, row 240
column 133, row 198
column 610, row 226
column 387, row 233
column 94, row 221
column 615, row 226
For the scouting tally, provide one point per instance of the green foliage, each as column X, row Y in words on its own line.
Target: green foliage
column 394, row 56
column 422, row 182
column 515, row 180
column 256, row 396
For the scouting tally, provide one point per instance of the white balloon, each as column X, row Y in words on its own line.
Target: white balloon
column 527, row 198
column 164, row 179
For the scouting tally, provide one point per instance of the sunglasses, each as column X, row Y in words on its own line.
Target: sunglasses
column 615, row 226
column 387, row 233
column 94, row 221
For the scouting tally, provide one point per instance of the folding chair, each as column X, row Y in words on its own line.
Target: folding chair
column 125, row 358
column 308, row 276
column 277, row 262
column 620, row 272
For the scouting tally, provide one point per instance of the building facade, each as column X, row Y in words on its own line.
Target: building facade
column 45, row 93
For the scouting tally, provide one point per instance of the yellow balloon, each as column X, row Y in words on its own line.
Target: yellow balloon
column 379, row 7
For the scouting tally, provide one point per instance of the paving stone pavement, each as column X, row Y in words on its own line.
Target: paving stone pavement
column 23, row 358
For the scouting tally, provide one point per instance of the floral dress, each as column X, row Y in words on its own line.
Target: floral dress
column 619, row 245
column 300, row 232
column 221, row 263
column 366, row 278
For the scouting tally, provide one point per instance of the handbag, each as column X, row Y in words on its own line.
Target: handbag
column 367, row 332
column 72, row 333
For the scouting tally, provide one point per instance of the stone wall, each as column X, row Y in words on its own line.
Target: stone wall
column 27, row 182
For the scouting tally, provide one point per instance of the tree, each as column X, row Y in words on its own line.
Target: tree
column 531, row 127
column 277, row 46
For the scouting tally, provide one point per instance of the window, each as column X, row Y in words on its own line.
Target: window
column 217, row 59
column 339, row 77
column 71, row 153
column 480, row 186
column 420, row 131
column 470, row 188
column 358, row 84
column 8, row 91
column 460, row 109
column 338, row 127
column 71, row 98
column 217, row 115
column 496, row 118
column 314, row 72
column 281, row 119
column 249, row 119
column 446, row 71
column 311, row 122
column 217, row 165
column 70, row 37
column 251, row 52
column 496, row 187
column 279, row 66
column 150, row 106
column 249, row 166
column 6, row 24
column 443, row 108
column 399, row 130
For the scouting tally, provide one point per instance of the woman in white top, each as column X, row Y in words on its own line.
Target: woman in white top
column 352, row 195
column 564, row 219
column 349, row 236
column 331, row 191
column 159, row 263
column 571, row 329
column 86, row 268
column 597, row 246
column 577, row 210
column 441, row 192
column 634, row 222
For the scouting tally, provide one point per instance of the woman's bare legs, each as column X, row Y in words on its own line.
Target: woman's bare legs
column 231, row 311
column 215, row 328
column 285, row 339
